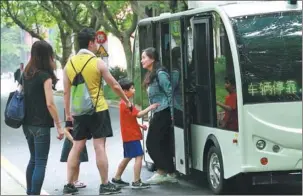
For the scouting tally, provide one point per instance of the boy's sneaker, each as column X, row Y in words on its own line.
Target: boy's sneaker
column 157, row 179
column 69, row 189
column 140, row 185
column 109, row 188
column 120, row 182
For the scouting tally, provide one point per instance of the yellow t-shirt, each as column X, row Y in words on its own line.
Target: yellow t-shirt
column 91, row 75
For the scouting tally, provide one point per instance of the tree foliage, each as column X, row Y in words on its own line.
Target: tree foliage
column 11, row 48
column 114, row 17
column 117, row 17
column 118, row 72
column 21, row 13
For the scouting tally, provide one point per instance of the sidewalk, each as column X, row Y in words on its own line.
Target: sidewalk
column 9, row 186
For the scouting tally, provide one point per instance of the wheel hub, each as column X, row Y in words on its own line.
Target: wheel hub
column 214, row 170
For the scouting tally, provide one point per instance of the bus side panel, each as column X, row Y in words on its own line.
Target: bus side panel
column 230, row 151
column 282, row 128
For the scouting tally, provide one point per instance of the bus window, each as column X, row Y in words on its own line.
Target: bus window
column 158, row 41
column 176, row 81
column 165, row 46
column 202, row 72
column 191, row 73
column 226, row 96
column 270, row 55
column 145, row 36
column 145, row 40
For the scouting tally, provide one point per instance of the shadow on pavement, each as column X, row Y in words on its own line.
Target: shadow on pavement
column 199, row 179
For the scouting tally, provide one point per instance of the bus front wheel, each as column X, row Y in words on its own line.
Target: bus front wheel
column 215, row 170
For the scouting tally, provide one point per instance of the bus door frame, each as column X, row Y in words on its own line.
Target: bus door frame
column 182, row 135
column 147, row 158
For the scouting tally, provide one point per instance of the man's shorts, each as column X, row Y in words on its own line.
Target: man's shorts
column 98, row 125
column 132, row 149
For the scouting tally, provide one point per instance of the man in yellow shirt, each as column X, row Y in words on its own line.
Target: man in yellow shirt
column 98, row 124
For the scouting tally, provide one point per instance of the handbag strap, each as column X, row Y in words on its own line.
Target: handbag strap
column 21, row 85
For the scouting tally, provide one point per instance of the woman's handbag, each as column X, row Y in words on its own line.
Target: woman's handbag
column 14, row 111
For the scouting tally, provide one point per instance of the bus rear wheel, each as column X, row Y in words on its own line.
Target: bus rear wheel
column 215, row 171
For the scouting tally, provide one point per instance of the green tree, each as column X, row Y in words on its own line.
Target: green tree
column 11, row 48
column 21, row 13
column 114, row 17
column 118, row 72
column 117, row 17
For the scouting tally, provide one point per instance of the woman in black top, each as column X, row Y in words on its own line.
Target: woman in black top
column 40, row 112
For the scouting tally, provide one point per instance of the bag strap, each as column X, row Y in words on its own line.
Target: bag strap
column 21, row 83
column 83, row 66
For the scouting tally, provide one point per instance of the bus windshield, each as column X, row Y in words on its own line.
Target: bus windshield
column 270, row 56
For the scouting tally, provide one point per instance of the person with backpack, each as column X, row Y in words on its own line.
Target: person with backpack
column 40, row 112
column 85, row 104
column 160, row 134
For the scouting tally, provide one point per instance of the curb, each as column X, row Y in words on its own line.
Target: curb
column 16, row 174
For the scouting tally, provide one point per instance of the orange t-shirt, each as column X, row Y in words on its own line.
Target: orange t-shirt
column 231, row 118
column 130, row 129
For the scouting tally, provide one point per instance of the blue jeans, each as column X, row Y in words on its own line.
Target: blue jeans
column 38, row 139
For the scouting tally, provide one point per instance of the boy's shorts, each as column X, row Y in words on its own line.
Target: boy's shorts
column 132, row 149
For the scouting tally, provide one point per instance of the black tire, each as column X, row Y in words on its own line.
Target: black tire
column 150, row 166
column 220, row 182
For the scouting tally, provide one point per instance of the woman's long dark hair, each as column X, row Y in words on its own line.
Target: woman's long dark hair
column 41, row 55
column 151, row 75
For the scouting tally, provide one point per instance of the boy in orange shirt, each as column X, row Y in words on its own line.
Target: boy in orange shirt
column 131, row 136
column 230, row 120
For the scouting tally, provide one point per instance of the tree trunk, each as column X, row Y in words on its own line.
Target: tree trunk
column 66, row 41
column 76, row 44
column 128, row 54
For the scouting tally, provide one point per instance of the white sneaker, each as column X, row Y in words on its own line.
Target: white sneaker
column 156, row 179
column 171, row 178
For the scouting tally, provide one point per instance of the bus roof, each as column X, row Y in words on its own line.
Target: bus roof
column 233, row 9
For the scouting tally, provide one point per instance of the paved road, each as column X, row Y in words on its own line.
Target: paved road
column 14, row 148
column 9, row 186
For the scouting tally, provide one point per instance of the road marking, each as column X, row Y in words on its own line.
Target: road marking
column 16, row 174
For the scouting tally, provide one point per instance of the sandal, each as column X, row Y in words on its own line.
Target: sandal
column 79, row 184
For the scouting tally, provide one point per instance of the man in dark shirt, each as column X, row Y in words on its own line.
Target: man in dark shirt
column 18, row 73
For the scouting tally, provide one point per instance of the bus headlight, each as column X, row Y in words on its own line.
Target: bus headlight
column 260, row 144
column 276, row 148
